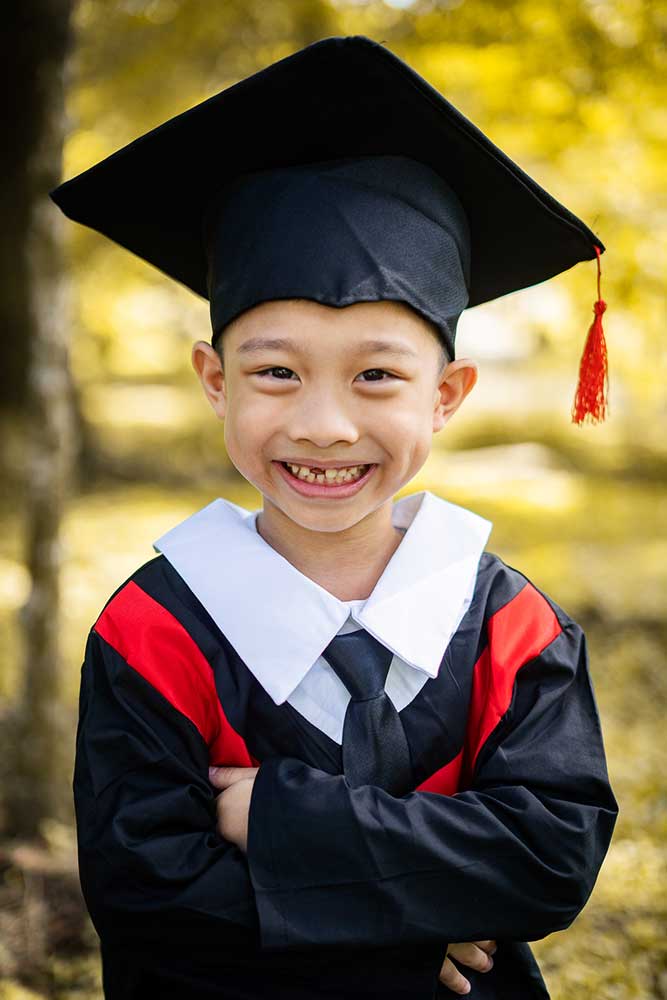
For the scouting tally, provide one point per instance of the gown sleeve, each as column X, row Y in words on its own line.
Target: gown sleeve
column 514, row 855
column 158, row 880
column 171, row 900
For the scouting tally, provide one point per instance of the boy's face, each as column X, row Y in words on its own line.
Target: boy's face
column 332, row 394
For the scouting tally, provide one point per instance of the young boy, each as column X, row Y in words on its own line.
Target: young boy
column 407, row 763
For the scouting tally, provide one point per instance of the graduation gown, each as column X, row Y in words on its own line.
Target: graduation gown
column 344, row 892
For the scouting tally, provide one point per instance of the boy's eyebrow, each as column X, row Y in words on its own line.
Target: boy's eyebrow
column 285, row 343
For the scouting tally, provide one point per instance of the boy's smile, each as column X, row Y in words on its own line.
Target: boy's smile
column 311, row 480
column 308, row 389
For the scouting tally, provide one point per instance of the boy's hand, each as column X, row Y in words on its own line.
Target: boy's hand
column 233, row 804
column 476, row 955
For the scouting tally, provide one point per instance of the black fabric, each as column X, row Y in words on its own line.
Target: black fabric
column 375, row 748
column 344, row 892
column 533, row 818
column 464, row 223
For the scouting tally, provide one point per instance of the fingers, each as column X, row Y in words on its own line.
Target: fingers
column 472, row 955
column 223, row 777
column 451, row 977
column 488, row 946
column 476, row 955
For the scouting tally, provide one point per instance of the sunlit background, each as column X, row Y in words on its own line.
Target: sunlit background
column 576, row 93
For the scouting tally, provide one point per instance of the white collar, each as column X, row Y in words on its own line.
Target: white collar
column 279, row 620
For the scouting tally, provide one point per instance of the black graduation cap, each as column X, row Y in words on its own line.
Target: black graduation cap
column 339, row 174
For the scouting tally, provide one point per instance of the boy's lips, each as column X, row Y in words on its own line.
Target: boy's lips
column 333, row 492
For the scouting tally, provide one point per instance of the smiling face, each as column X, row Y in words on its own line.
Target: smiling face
column 321, row 386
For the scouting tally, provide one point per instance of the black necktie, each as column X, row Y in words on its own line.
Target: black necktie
column 375, row 749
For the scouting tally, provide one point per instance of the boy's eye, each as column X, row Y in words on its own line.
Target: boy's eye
column 280, row 368
column 276, row 368
column 381, row 371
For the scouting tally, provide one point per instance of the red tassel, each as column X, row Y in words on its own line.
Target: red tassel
column 590, row 400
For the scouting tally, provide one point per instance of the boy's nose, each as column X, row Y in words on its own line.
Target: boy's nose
column 323, row 421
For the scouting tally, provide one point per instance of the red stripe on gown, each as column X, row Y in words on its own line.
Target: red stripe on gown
column 156, row 645
column 517, row 633
column 446, row 779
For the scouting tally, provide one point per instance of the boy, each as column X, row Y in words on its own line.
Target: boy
column 406, row 753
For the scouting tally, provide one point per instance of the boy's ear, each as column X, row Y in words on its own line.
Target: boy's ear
column 457, row 380
column 208, row 366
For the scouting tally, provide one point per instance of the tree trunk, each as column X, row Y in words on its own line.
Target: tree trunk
column 41, row 728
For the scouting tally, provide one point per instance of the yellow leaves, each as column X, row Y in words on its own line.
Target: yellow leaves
column 620, row 20
column 11, row 990
column 600, row 115
column 550, row 96
column 449, row 67
column 133, row 407
column 82, row 148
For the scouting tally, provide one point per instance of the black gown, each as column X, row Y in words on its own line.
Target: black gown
column 344, row 892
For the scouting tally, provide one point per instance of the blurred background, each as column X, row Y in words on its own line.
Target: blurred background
column 106, row 439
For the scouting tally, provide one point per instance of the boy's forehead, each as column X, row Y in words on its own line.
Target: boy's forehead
column 396, row 322
column 301, row 314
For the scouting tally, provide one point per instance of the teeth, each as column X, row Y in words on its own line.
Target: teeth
column 327, row 475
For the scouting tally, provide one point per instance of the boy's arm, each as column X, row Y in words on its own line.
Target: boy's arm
column 167, row 894
column 159, row 882
column 515, row 856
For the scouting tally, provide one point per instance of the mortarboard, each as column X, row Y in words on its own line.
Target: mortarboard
column 338, row 173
